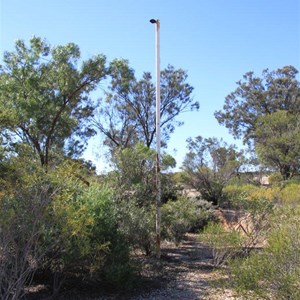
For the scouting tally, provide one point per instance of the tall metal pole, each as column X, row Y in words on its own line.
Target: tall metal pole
column 158, row 141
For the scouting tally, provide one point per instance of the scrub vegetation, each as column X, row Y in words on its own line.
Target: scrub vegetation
column 61, row 222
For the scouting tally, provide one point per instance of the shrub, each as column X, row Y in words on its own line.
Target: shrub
column 86, row 227
column 224, row 244
column 244, row 196
column 137, row 224
column 290, row 194
column 182, row 215
column 57, row 224
column 234, row 194
column 22, row 219
column 269, row 194
column 273, row 273
column 275, row 178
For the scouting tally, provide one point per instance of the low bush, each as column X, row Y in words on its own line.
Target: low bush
column 234, row 193
column 22, row 221
column 290, row 194
column 86, row 230
column 183, row 215
column 244, row 196
column 137, row 224
column 274, row 272
column 224, row 244
column 56, row 224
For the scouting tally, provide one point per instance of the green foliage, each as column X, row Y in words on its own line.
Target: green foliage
column 250, row 196
column 290, row 194
column 234, row 191
column 134, row 184
column 86, row 230
column 135, row 165
column 265, row 112
column 128, row 114
column 209, row 165
column 255, row 97
column 275, row 178
column 61, row 224
column 224, row 244
column 182, row 215
column 277, row 139
column 44, row 96
column 134, row 175
column 137, row 225
column 247, row 196
column 274, row 272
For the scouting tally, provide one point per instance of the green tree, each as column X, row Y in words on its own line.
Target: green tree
column 45, row 98
column 256, row 97
column 277, row 142
column 253, row 110
column 128, row 114
column 209, row 165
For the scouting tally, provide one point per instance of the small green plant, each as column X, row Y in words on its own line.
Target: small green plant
column 224, row 244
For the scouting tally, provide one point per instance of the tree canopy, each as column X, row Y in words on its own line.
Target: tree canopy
column 265, row 113
column 256, row 97
column 127, row 115
column 44, row 100
column 277, row 142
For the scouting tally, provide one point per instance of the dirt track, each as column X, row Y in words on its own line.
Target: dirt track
column 187, row 273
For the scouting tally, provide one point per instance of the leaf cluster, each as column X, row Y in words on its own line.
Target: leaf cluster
column 44, row 97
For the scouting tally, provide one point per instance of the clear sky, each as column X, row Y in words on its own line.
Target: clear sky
column 216, row 41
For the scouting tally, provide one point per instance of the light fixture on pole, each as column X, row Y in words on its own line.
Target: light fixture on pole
column 158, row 182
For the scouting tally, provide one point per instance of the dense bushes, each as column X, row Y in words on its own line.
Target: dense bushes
column 290, row 194
column 274, row 272
column 89, row 233
column 60, row 223
column 242, row 196
column 183, row 215
column 224, row 244
column 57, row 224
column 268, row 260
column 22, row 223
column 137, row 224
column 237, row 196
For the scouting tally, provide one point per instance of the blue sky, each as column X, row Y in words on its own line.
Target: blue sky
column 216, row 41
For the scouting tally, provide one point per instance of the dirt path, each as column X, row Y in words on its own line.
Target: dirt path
column 187, row 273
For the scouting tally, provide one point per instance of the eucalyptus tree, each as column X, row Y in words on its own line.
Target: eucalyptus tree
column 127, row 115
column 277, row 142
column 44, row 98
column 265, row 109
column 209, row 165
column 259, row 96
